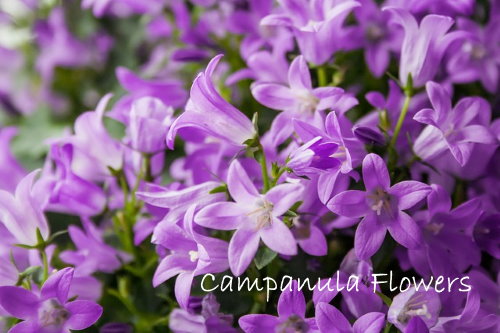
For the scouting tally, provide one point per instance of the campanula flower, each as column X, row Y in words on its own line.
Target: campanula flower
column 291, row 315
column 191, row 254
column 50, row 310
column 412, row 303
column 455, row 129
column 382, row 208
column 255, row 216
column 208, row 111
column 424, row 44
column 11, row 171
column 317, row 26
column 22, row 213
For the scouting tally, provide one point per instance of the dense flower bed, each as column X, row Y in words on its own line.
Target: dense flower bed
column 249, row 165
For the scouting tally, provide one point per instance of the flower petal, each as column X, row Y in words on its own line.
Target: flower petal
column 279, row 238
column 405, row 231
column 372, row 322
column 83, row 314
column 369, row 236
column 19, row 302
column 183, row 288
column 239, row 184
column 258, row 323
column 283, row 197
column 409, row 193
column 350, row 203
column 57, row 285
column 242, row 249
column 329, row 319
column 292, row 302
column 375, row 174
column 220, row 216
column 274, row 96
column 170, row 266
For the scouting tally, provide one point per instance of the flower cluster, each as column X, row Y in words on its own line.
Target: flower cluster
column 322, row 139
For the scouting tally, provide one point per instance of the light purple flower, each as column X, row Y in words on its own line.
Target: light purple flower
column 255, row 216
column 331, row 320
column 412, row 303
column 149, row 123
column 94, row 149
column 291, row 315
column 22, row 212
column 317, row 26
column 11, row 171
column 381, row 207
column 450, row 129
column 423, row 46
column 478, row 57
column 299, row 98
column 208, row 111
column 50, row 310
column 192, row 254
column 124, row 7
column 91, row 254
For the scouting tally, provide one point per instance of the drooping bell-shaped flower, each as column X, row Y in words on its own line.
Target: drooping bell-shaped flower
column 208, row 111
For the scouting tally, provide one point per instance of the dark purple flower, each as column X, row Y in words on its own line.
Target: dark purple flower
column 446, row 232
column 381, row 207
column 291, row 315
column 50, row 310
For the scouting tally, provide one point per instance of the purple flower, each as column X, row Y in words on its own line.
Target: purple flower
column 412, row 303
column 331, row 320
column 314, row 155
column 377, row 39
column 149, row 123
column 381, row 207
column 169, row 91
column 125, row 7
column 191, row 254
column 209, row 112
column 450, row 129
column 291, row 315
column 50, row 310
column 94, row 149
column 22, row 212
column 423, row 45
column 471, row 319
column 69, row 192
column 11, row 171
column 255, row 216
column 446, row 232
column 208, row 319
column 317, row 26
column 299, row 98
column 91, row 254
column 478, row 56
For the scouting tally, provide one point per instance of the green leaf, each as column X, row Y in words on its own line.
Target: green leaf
column 115, row 128
column 219, row 189
column 264, row 257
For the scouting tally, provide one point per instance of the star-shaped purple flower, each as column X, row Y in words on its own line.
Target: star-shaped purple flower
column 381, row 207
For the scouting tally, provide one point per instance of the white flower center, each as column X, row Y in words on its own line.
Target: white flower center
column 51, row 313
column 380, row 200
column 193, row 255
column 263, row 214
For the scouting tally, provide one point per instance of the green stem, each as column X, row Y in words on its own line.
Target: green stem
column 148, row 176
column 387, row 327
column 322, row 80
column 263, row 165
column 45, row 262
column 401, row 118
